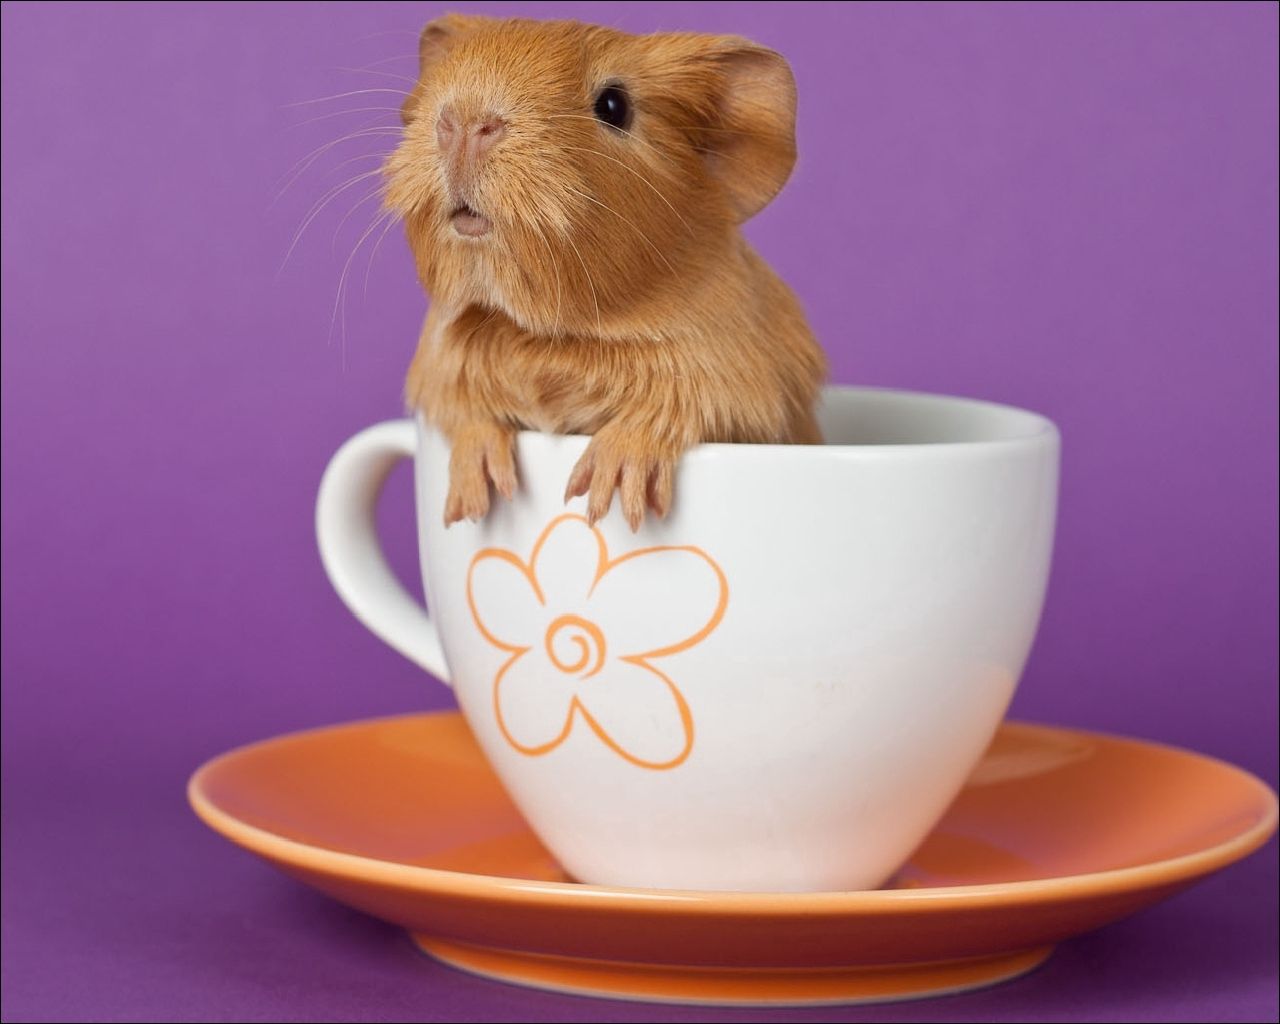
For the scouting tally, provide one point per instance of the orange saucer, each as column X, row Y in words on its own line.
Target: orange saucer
column 1056, row 833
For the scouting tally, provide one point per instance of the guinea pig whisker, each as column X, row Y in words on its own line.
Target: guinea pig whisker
column 380, row 74
column 377, row 193
column 343, row 113
column 342, row 95
column 297, row 172
column 333, row 193
column 388, row 60
column 356, row 158
column 299, row 168
column 319, row 205
column 590, row 284
column 391, row 222
column 624, row 220
column 340, row 299
column 546, row 245
column 656, row 190
column 622, row 131
column 380, row 157
column 493, row 313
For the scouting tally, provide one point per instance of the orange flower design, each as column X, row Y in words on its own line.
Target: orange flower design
column 582, row 629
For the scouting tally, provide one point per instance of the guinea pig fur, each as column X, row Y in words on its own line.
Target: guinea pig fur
column 572, row 197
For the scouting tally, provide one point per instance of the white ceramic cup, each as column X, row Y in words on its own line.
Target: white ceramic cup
column 779, row 687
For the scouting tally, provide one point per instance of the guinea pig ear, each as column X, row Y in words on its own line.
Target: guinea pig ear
column 751, row 147
column 435, row 41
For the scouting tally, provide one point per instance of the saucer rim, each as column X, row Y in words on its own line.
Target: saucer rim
column 1167, row 871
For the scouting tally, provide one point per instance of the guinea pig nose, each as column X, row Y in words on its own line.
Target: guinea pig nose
column 446, row 128
column 483, row 132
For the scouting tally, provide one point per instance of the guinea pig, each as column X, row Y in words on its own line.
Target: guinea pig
column 572, row 197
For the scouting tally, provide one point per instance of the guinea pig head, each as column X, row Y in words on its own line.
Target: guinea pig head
column 579, row 178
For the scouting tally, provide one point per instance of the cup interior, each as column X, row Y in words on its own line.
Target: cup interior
column 867, row 416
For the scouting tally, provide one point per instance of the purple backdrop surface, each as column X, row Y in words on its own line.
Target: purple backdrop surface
column 1068, row 208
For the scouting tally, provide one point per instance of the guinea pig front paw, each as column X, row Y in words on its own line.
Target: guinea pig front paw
column 643, row 476
column 468, row 499
column 476, row 460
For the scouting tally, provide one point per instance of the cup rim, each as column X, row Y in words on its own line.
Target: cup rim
column 1040, row 431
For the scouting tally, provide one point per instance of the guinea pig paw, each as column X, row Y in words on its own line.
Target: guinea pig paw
column 468, row 496
column 661, row 484
column 465, row 504
column 500, row 464
column 643, row 481
column 595, row 474
column 580, row 477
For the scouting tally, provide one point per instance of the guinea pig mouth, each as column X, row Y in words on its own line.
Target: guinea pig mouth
column 469, row 222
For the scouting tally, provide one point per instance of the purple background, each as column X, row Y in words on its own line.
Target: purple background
column 1068, row 208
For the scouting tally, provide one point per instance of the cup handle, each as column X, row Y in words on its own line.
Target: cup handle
column 351, row 553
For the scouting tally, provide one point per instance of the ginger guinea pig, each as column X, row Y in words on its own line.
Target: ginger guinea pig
column 572, row 196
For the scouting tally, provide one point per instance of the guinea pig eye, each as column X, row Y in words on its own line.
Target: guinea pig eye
column 613, row 107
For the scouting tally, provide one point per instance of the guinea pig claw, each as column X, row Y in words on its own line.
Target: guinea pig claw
column 452, row 511
column 658, row 491
column 598, row 506
column 503, row 476
column 603, row 481
column 632, row 484
column 642, row 483
column 579, row 480
column 468, row 498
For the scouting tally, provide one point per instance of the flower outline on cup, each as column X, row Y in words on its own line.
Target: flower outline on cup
column 593, row 658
